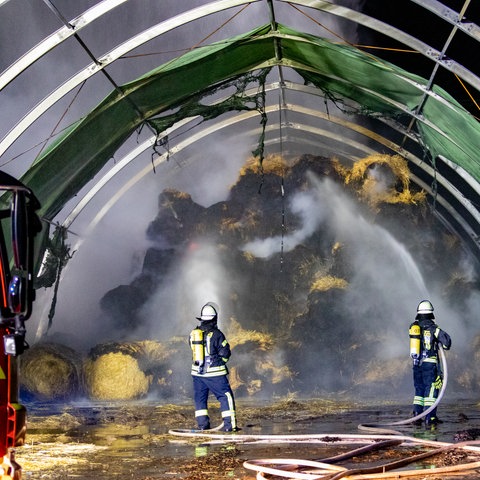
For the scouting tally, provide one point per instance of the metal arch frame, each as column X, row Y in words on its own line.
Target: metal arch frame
column 56, row 38
column 400, row 106
column 245, row 116
column 451, row 16
column 400, row 35
column 108, row 58
column 119, row 165
column 73, row 27
column 314, row 130
column 306, row 111
column 205, row 10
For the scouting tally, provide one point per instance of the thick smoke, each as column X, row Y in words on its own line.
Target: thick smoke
column 306, row 207
column 199, row 278
column 386, row 280
column 113, row 253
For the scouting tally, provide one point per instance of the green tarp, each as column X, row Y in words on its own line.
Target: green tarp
column 340, row 71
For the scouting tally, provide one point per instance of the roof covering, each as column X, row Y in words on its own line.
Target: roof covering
column 403, row 112
column 339, row 71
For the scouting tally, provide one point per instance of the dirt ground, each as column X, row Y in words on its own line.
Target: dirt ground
column 92, row 441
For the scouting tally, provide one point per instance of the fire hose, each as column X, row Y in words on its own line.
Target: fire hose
column 378, row 427
column 326, row 469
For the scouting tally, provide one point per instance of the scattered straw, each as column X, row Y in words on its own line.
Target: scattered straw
column 372, row 190
column 327, row 283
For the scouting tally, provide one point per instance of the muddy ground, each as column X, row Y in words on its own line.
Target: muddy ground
column 107, row 440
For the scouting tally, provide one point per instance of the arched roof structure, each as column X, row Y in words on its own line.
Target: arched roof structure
column 290, row 76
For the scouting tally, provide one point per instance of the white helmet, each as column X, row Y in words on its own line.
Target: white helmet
column 425, row 307
column 207, row 313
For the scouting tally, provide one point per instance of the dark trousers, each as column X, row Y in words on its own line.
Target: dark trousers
column 220, row 387
column 426, row 388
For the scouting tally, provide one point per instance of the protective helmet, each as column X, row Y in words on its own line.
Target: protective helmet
column 425, row 307
column 207, row 313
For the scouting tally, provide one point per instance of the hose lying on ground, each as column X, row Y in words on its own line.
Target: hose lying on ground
column 372, row 427
column 325, row 471
column 286, row 467
column 324, row 468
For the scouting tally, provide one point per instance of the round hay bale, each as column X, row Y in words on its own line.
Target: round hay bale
column 50, row 371
column 117, row 374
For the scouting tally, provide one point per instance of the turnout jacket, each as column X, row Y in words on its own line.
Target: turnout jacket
column 216, row 352
column 431, row 336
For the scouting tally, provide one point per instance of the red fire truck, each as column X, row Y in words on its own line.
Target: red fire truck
column 19, row 224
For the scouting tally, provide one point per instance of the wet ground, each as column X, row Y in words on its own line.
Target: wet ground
column 107, row 440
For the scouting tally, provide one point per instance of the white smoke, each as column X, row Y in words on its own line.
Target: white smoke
column 387, row 283
column 305, row 206
column 198, row 279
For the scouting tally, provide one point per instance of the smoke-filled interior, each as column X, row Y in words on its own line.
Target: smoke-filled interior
column 317, row 249
column 317, row 268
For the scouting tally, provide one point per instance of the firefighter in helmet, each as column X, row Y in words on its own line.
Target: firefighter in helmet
column 210, row 352
column 425, row 338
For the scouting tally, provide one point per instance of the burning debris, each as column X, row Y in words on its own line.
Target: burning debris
column 306, row 257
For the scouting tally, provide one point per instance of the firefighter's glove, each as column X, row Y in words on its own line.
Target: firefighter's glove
column 416, row 362
column 438, row 382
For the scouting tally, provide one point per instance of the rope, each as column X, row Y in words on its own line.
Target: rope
column 468, row 93
column 193, row 47
column 282, row 185
column 52, row 133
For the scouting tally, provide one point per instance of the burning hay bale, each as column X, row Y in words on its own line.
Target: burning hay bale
column 50, row 372
column 271, row 164
column 170, row 378
column 114, row 371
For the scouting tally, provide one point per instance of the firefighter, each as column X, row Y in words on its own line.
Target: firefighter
column 425, row 338
column 210, row 352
